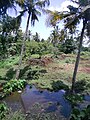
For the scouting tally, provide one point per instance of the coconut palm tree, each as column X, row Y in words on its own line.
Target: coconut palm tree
column 33, row 8
column 71, row 19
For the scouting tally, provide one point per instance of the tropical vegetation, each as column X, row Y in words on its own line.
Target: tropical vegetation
column 61, row 62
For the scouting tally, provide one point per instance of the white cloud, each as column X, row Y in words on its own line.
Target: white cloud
column 63, row 6
column 66, row 3
column 52, row 8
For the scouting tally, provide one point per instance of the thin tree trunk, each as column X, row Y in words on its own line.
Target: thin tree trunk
column 22, row 49
column 78, row 57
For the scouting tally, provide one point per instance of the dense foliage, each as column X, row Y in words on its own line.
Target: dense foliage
column 3, row 110
column 15, row 43
column 11, row 86
column 7, row 114
column 81, row 114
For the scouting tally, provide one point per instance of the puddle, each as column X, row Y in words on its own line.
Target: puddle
column 52, row 101
column 87, row 97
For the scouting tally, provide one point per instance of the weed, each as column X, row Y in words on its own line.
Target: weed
column 18, row 115
column 7, row 114
column 58, row 85
column 9, row 62
column 12, row 86
column 74, row 98
column 3, row 110
column 81, row 115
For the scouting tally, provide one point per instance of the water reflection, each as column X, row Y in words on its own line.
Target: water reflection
column 53, row 101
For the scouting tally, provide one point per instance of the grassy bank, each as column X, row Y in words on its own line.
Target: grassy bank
column 54, row 74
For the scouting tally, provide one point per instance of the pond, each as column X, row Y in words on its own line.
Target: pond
column 52, row 101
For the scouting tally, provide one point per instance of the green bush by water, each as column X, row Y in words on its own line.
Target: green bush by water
column 81, row 115
column 74, row 98
column 13, row 85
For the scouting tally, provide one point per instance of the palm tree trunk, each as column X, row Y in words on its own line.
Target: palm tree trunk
column 22, row 49
column 78, row 57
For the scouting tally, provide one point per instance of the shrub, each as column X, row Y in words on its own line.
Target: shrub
column 58, row 85
column 74, row 98
column 81, row 115
column 13, row 85
column 3, row 110
column 9, row 62
column 18, row 115
column 7, row 114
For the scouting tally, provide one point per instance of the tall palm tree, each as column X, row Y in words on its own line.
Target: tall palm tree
column 71, row 19
column 33, row 8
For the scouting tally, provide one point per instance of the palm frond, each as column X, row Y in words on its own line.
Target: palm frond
column 5, row 4
column 42, row 3
column 33, row 18
column 72, row 20
column 53, row 17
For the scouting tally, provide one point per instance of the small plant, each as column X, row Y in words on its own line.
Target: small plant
column 9, row 62
column 3, row 110
column 80, row 86
column 81, row 115
column 17, row 115
column 33, row 74
column 7, row 114
column 58, row 85
column 67, row 61
column 13, row 85
column 74, row 98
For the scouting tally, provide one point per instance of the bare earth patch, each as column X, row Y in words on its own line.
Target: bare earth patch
column 85, row 69
column 43, row 61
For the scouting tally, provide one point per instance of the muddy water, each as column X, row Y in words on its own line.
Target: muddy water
column 52, row 101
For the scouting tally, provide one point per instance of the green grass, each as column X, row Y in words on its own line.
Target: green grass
column 7, row 67
column 34, row 113
column 61, row 69
column 35, row 56
column 9, row 62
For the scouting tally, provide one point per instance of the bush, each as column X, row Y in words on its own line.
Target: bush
column 41, row 48
column 18, row 115
column 81, row 115
column 9, row 62
column 7, row 114
column 33, row 74
column 58, row 85
column 3, row 110
column 74, row 98
column 12, row 86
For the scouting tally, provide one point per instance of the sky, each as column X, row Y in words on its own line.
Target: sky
column 40, row 26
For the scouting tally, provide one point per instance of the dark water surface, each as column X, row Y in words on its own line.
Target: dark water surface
column 29, row 97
